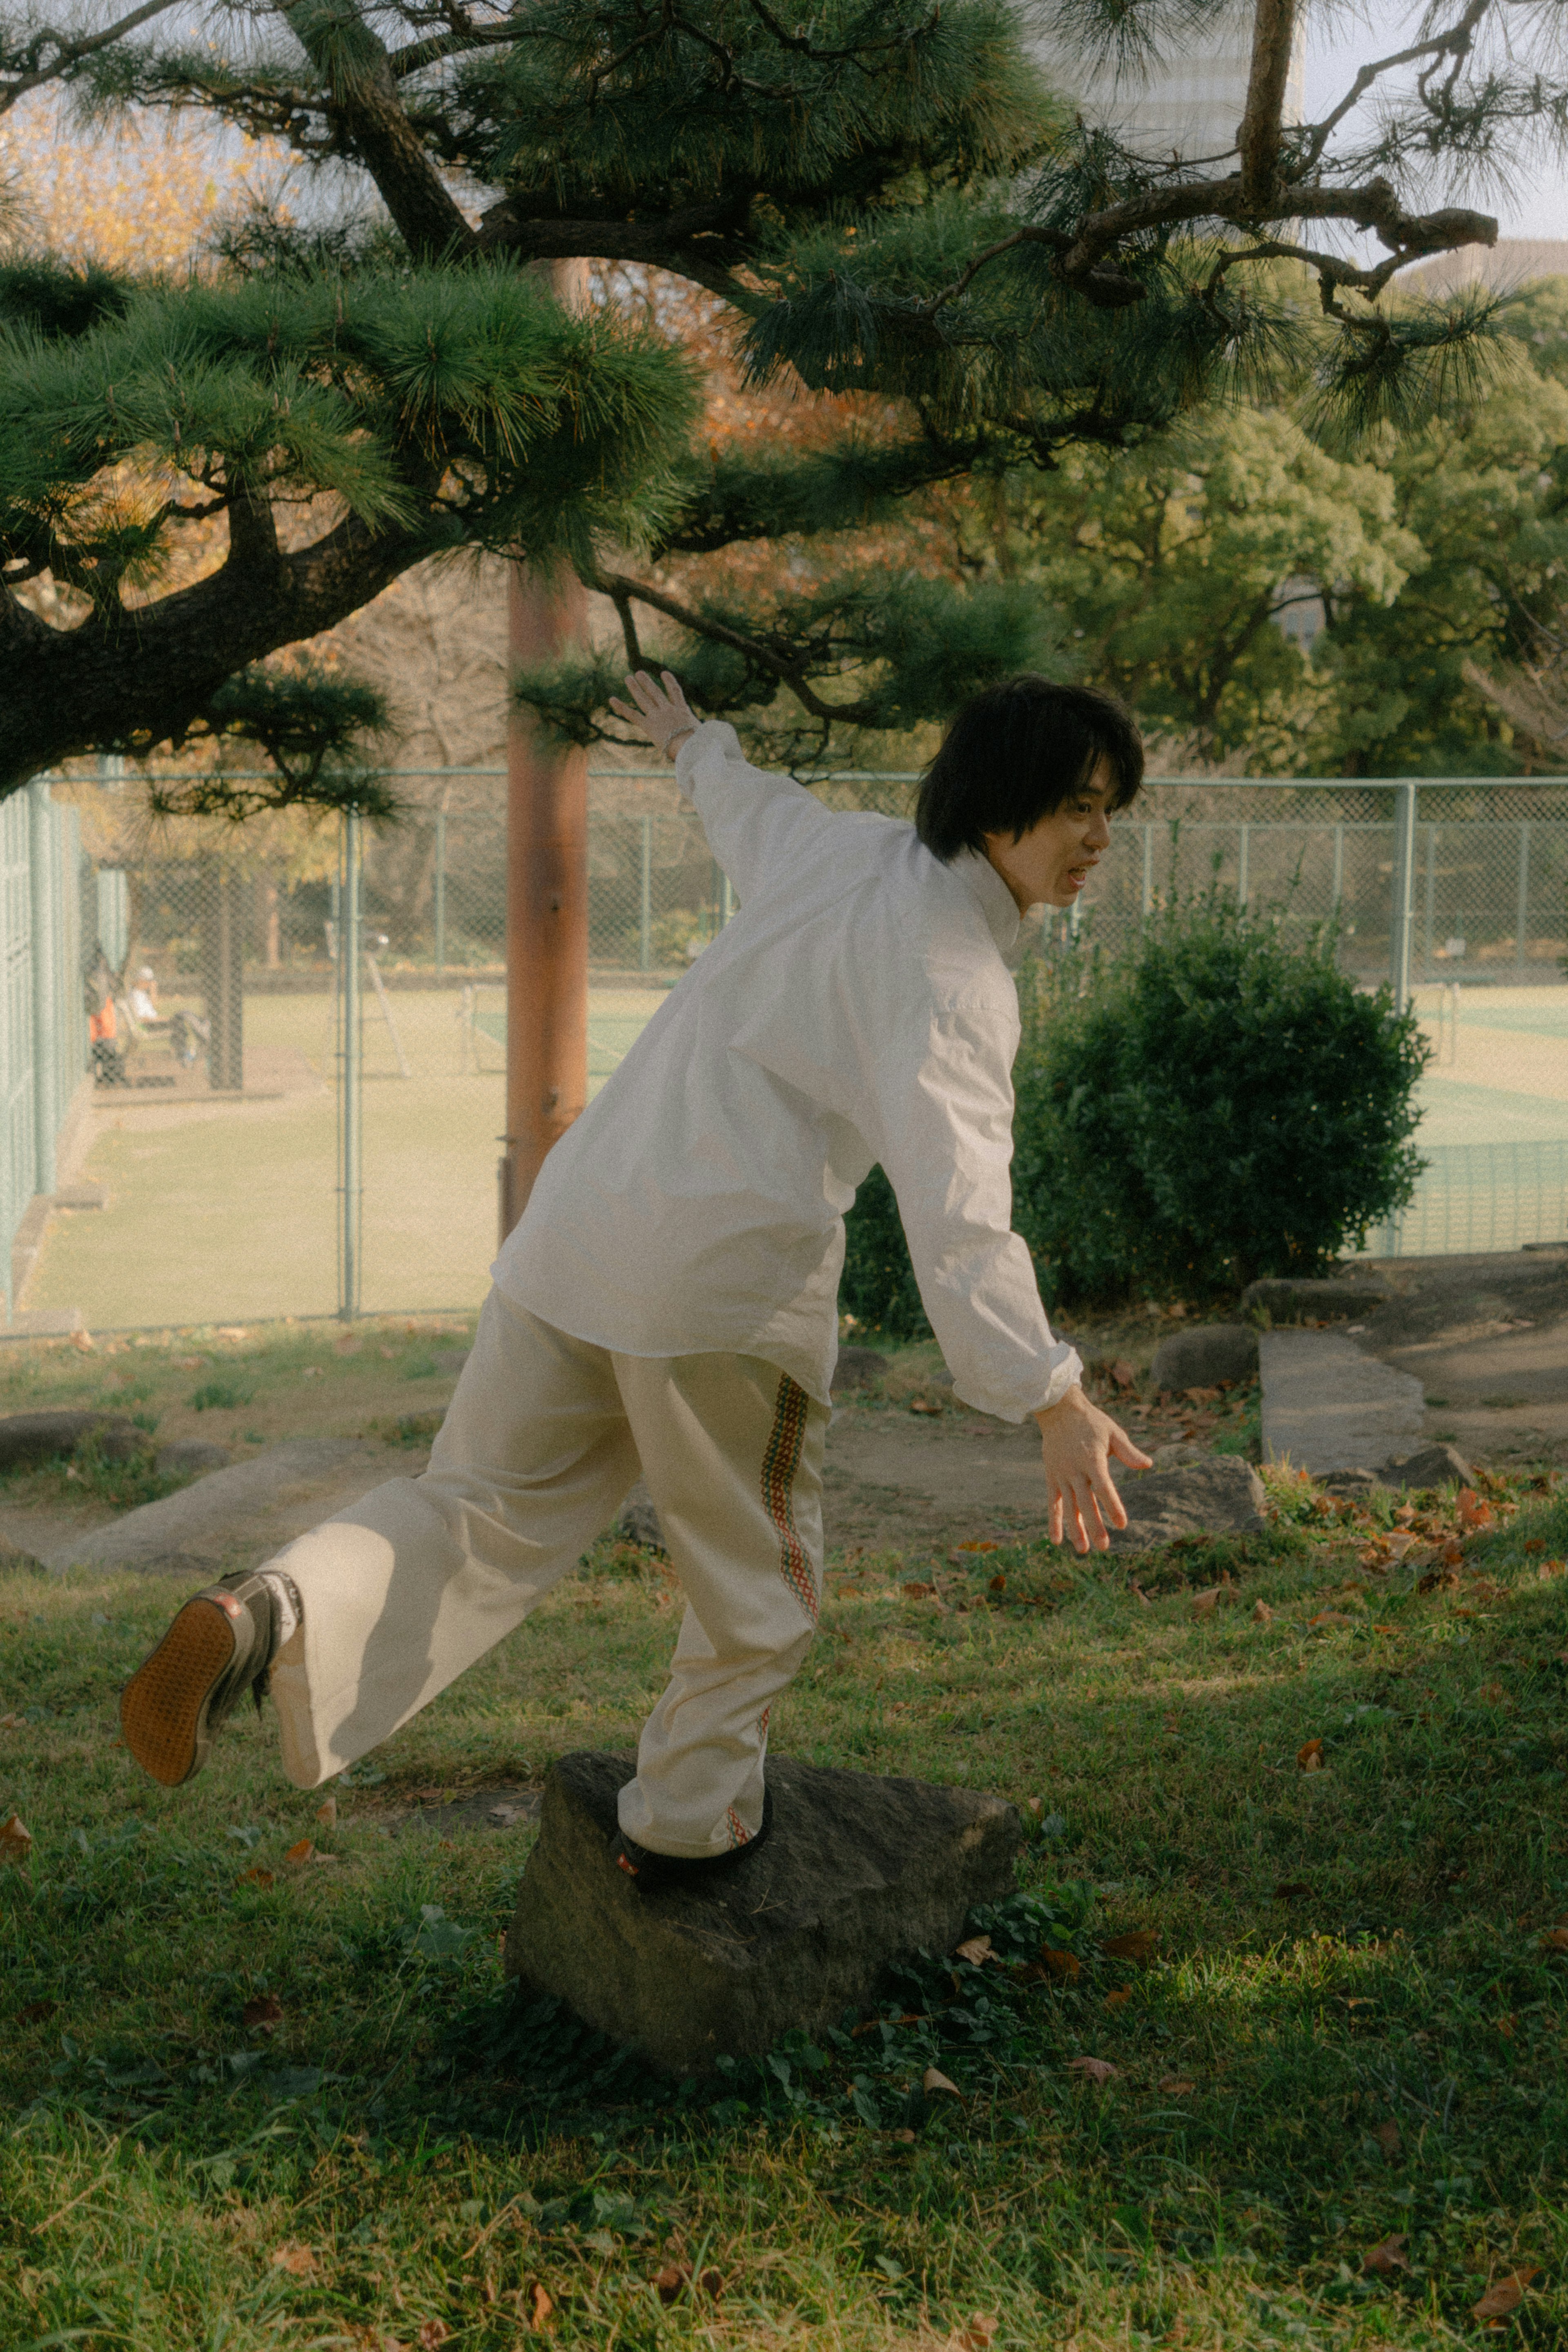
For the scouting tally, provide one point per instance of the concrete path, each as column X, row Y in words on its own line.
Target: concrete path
column 1328, row 1405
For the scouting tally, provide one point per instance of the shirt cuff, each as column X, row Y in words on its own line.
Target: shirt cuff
column 1065, row 1375
column 690, row 751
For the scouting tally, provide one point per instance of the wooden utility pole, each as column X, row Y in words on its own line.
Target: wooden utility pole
column 547, row 902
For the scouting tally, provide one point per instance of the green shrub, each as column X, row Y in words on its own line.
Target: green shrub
column 219, row 1396
column 1214, row 1104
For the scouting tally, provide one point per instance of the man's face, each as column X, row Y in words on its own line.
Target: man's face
column 1055, row 859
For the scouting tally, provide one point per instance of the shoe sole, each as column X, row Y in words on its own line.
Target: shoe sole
column 163, row 1707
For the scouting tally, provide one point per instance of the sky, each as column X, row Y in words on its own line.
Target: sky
column 1539, row 206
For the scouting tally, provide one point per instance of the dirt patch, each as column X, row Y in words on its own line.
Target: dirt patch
column 1488, row 1338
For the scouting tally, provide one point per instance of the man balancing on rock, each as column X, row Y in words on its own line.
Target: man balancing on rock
column 668, row 1301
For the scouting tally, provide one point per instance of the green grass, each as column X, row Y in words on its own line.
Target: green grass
column 428, row 2153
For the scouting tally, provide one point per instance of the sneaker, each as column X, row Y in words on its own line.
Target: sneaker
column 219, row 1646
column 649, row 1872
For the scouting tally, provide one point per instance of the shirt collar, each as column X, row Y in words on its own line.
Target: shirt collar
column 995, row 901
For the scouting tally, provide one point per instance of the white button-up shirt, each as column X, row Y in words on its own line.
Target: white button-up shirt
column 857, row 1008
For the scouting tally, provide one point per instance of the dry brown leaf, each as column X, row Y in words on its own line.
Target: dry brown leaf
column 1175, row 2088
column 1387, row 2137
column 976, row 1949
column 328, row 1814
column 13, row 1723
column 254, row 1877
column 1263, row 1613
column 1387, row 2255
column 915, row 1590
column 1327, row 1617
column 1505, row 2294
column 1310, row 1756
column 998, row 1585
column 299, row 2261
column 16, row 1838
column 1438, row 1580
column 302, row 1851
column 264, row 2014
column 1118, row 1996
column 1290, row 1890
column 35, row 2012
column 934, row 2079
column 543, row 2305
column 910, row 2017
column 1555, row 1939
column 711, row 2283
column 977, row 2334
column 1093, row 2070
column 923, row 1404
column 670, row 2281
column 1493, row 1694
column 1061, row 1964
column 1124, row 1373
column 1204, row 1604
column 1138, row 1944
column 979, row 1543
column 434, row 2333
column 1473, row 1512
column 1033, row 1805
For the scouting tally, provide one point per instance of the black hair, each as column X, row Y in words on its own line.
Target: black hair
column 1015, row 752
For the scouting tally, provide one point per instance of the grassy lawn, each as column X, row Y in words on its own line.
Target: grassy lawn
column 258, row 2097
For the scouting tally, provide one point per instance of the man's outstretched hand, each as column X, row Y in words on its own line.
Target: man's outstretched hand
column 663, row 712
column 1076, row 1443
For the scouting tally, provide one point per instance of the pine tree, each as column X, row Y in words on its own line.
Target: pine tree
column 889, row 199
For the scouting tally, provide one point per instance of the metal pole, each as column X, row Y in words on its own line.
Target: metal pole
column 1338, row 867
column 1243, row 849
column 645, row 903
column 1521, row 923
column 1430, row 911
column 440, row 892
column 45, row 954
column 1404, row 878
column 350, row 1180
column 1148, row 870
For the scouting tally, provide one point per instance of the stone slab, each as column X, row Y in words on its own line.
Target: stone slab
column 1218, row 1494
column 1328, row 1300
column 858, row 1873
column 237, row 1517
column 1329, row 1405
column 28, row 1439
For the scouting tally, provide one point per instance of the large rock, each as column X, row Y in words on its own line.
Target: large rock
column 1206, row 1356
column 1329, row 1405
column 1300, row 1302
column 236, row 1517
column 27, row 1439
column 1222, row 1495
column 857, row 1873
column 1431, row 1465
column 639, row 1521
column 858, row 1368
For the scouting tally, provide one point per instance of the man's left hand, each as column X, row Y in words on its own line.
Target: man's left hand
column 1076, row 1444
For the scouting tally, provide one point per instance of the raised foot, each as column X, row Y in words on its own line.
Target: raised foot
column 165, row 1708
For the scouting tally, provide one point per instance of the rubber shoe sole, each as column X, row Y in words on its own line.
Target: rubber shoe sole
column 164, row 1708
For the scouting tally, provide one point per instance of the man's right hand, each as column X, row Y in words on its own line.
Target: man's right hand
column 663, row 712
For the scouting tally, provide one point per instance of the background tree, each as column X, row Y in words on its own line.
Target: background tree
column 887, row 201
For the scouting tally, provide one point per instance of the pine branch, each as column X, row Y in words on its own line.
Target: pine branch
column 30, row 61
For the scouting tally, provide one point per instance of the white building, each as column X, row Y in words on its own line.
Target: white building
column 1190, row 104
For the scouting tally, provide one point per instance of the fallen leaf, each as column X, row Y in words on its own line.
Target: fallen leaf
column 1505, row 2294
column 1473, row 1513
column 1310, row 1756
column 434, row 2331
column 998, row 1585
column 976, row 1949
column 910, row 2017
column 1033, row 1805
column 1124, row 1373
column 264, row 2014
column 1327, row 1617
column 710, row 2283
column 1290, row 1890
column 257, row 1878
column 977, row 2334
column 918, row 1592
column 1118, row 1996
column 300, row 1853
column 1387, row 2255
column 299, row 2261
column 1505, row 2025
column 923, row 1404
column 1093, row 2070
column 1203, row 1396
column 1263, row 1613
column 1493, row 1694
column 1175, row 2088
column 670, row 2281
column 313, row 1372
column 986, row 1543
column 1438, row 1580
column 1204, row 1604
column 328, row 1814
column 1398, row 1545
column 16, row 1838
column 1387, row 2137
column 338, row 1857
column 1138, row 1944
column 934, row 2080
column 13, row 1723
column 34, row 2013
column 1061, row 1964
column 1555, row 1939
column 543, row 2306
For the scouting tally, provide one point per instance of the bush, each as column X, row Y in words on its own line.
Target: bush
column 1212, row 1105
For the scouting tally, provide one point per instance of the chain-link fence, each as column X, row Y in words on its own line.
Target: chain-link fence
column 200, row 978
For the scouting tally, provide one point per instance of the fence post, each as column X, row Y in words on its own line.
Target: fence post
column 1404, row 883
column 349, row 1177
column 1148, row 870
column 47, row 1041
column 1431, row 902
column 1243, row 849
column 645, row 901
column 1522, row 922
column 440, row 892
column 1338, row 867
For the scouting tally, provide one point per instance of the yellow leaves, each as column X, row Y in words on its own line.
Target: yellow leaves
column 975, row 1951
column 1065, row 1965
column 1261, row 1612
column 300, row 1851
column 1310, row 1756
column 1139, row 1945
column 1505, row 2294
column 433, row 2335
column 1474, row 1513
column 1175, row 2087
column 1326, row 1619
column 933, row 2080
column 255, row 1876
column 16, row 1838
column 13, row 1723
column 298, row 2261
column 980, row 1544
column 975, row 2335
column 1119, row 1996
column 542, row 2304
column 1098, row 2071
column 1555, row 1939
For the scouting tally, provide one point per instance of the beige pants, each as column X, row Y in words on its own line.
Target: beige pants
column 545, row 1436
